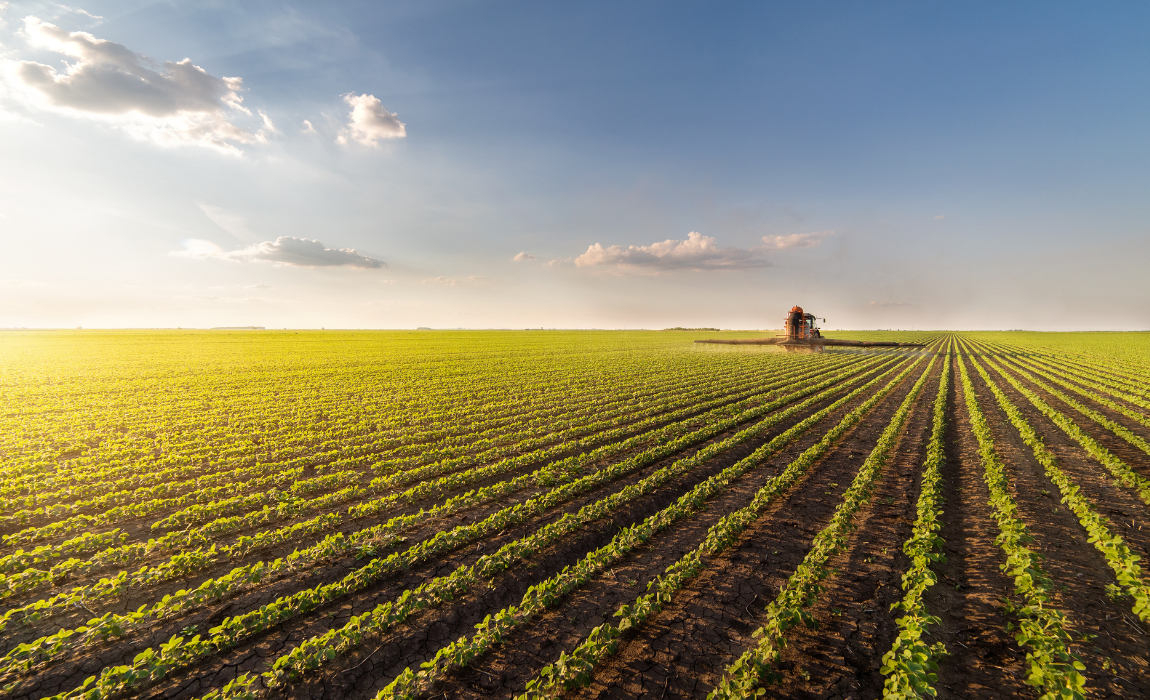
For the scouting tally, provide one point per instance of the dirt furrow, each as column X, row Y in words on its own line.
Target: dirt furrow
column 249, row 656
column 140, row 529
column 511, row 665
column 684, row 650
column 1107, row 639
column 1122, row 506
column 855, row 626
column 985, row 661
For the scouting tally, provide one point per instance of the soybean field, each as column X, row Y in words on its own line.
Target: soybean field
column 579, row 514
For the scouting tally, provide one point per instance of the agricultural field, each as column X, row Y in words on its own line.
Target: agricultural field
column 280, row 514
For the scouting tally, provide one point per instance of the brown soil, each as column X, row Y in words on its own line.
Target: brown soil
column 984, row 660
column 68, row 673
column 684, row 650
column 1073, row 563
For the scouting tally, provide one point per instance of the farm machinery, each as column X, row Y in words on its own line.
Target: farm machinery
column 802, row 334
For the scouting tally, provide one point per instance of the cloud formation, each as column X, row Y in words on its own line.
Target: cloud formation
column 369, row 122
column 795, row 240
column 285, row 250
column 523, row 256
column 169, row 103
column 887, row 304
column 698, row 252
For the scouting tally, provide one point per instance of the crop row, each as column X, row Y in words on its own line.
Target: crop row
column 756, row 666
column 283, row 474
column 1117, row 468
column 289, row 502
column 1042, row 629
column 541, row 596
column 1060, row 378
column 326, row 408
column 239, row 627
column 444, row 588
column 574, row 670
column 910, row 664
column 1118, row 556
column 185, row 562
column 287, row 508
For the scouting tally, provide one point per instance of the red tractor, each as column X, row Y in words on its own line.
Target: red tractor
column 800, row 334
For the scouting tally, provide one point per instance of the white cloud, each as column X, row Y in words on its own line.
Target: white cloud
column 308, row 128
column 64, row 9
column 369, row 121
column 523, row 256
column 170, row 103
column 795, row 240
column 698, row 252
column 229, row 221
column 441, row 280
column 285, row 250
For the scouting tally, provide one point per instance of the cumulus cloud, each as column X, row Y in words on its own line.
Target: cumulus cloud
column 523, row 256
column 795, row 240
column 175, row 102
column 369, row 121
column 285, row 250
column 308, row 128
column 698, row 252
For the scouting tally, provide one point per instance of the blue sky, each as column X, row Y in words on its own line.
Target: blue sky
column 886, row 165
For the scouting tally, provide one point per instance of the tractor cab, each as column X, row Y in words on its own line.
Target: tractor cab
column 800, row 326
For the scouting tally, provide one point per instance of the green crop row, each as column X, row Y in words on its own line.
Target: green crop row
column 1042, row 629
column 457, row 407
column 1059, row 378
column 239, row 627
column 288, row 507
column 184, row 562
column 910, row 664
column 272, row 474
column 574, row 670
column 1118, row 556
column 754, row 667
column 319, row 649
column 1117, row 468
column 315, row 651
column 410, row 684
column 1123, row 388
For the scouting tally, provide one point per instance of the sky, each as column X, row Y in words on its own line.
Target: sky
column 910, row 165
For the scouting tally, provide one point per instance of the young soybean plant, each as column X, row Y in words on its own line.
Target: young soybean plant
column 744, row 677
column 910, row 664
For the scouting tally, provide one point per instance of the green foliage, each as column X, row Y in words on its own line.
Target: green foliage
column 1042, row 630
column 910, row 664
column 755, row 667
